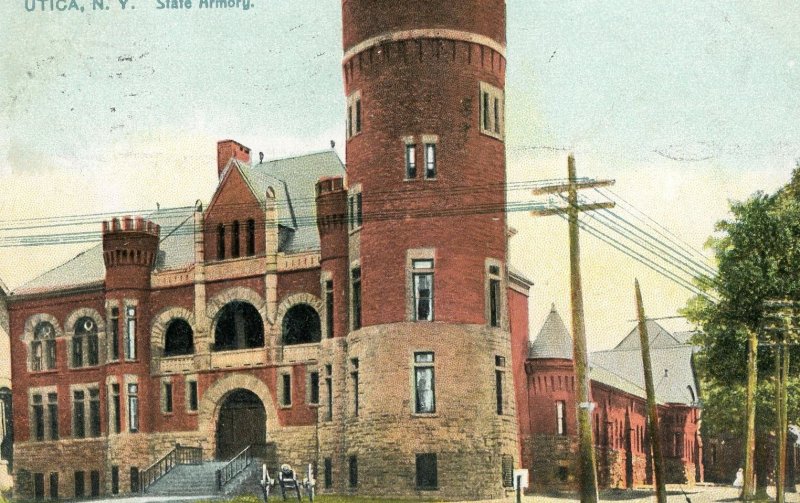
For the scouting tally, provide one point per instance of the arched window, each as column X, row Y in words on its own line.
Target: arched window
column 179, row 338
column 239, row 326
column 251, row 237
column 220, row 242
column 84, row 343
column 43, row 347
column 301, row 325
column 235, row 239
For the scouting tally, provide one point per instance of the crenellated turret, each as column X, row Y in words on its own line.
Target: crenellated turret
column 130, row 247
column 334, row 239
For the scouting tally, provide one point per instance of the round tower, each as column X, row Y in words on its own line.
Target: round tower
column 130, row 247
column 422, row 392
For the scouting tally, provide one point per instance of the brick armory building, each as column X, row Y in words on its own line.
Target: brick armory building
column 362, row 319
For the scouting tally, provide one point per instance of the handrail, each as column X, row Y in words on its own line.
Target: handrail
column 180, row 455
column 234, row 467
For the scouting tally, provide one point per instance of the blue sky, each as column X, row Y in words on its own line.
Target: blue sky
column 685, row 104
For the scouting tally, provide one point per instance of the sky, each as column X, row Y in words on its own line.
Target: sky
column 686, row 105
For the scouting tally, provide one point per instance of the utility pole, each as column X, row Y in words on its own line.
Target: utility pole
column 748, row 485
column 586, row 455
column 652, row 411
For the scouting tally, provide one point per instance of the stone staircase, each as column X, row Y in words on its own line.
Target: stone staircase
column 188, row 480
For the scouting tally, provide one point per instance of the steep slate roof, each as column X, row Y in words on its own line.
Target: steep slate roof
column 659, row 337
column 553, row 340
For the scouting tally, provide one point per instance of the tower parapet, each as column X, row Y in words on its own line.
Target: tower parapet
column 130, row 248
column 334, row 249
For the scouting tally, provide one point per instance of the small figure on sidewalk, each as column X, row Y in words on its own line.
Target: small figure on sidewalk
column 739, row 480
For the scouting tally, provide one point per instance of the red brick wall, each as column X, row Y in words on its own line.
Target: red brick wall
column 334, row 251
column 292, row 282
column 233, row 201
column 518, row 322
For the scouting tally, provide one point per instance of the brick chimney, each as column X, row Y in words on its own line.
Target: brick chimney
column 227, row 149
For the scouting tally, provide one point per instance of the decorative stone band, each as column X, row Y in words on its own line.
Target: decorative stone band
column 396, row 36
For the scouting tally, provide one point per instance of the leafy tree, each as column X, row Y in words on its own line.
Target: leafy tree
column 758, row 256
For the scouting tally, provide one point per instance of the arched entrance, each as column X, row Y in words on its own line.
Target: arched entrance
column 242, row 421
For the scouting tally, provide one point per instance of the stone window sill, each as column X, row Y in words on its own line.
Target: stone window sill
column 425, row 414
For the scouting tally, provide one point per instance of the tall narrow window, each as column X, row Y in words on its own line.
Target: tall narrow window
column 115, row 479
column 130, row 333
column 485, row 110
column 356, row 293
column 52, row 414
column 166, row 389
column 424, row 385
column 94, row 412
column 358, row 116
column 133, row 408
column 329, row 392
column 38, row 417
column 349, row 121
column 354, row 114
column 491, row 116
column 427, row 472
column 192, row 395
column 80, row 490
column 78, row 414
column 43, row 347
column 235, row 239
column 286, row 390
column 499, row 381
column 354, row 382
column 328, row 473
column 38, row 486
column 94, row 477
column 220, row 242
column 251, row 237
column 495, row 300
column 561, row 418
column 113, row 323
column 134, row 479
column 411, row 161
column 313, row 388
column 496, row 115
column 54, row 486
column 359, row 210
column 353, row 471
column 507, row 469
column 77, row 350
column 430, row 160
column 356, row 218
column 329, row 309
column 116, row 418
column 423, row 289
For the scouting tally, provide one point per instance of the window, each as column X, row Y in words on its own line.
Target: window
column 507, row 470
column 166, row 400
column 561, row 418
column 356, row 298
column 353, row 471
column 286, row 390
column 563, row 473
column 192, row 391
column 130, row 333
column 492, row 100
column 78, row 414
column 355, row 203
column 427, row 472
column 113, row 323
column 499, row 381
column 38, row 417
column 424, row 385
column 52, row 414
column 134, row 479
column 133, row 408
column 354, row 114
column 115, row 417
column 494, row 303
column 80, row 491
column 43, row 347
column 423, row 289
column 54, row 486
column 313, row 388
column 235, row 239
column 328, row 473
column 411, row 161
column 220, row 242
column 115, row 479
column 95, row 480
column 239, row 326
column 329, row 309
column 354, row 381
column 300, row 325
column 38, row 486
column 251, row 237
column 179, row 338
column 430, row 160
column 94, row 412
column 85, row 343
column 329, row 391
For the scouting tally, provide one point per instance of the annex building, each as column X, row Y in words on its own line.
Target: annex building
column 359, row 316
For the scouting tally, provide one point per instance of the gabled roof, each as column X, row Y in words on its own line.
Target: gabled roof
column 175, row 249
column 553, row 341
column 658, row 336
column 3, row 289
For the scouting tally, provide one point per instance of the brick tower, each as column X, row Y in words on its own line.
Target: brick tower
column 419, row 389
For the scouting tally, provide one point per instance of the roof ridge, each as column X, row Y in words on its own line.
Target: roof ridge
column 297, row 156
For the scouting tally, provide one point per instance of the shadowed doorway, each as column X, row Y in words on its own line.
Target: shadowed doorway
column 242, row 421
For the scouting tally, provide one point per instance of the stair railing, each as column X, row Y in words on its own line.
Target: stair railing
column 234, row 467
column 180, row 455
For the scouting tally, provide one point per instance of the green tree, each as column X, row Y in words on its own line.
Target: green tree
column 758, row 258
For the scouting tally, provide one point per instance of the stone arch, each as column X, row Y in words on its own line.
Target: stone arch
column 31, row 322
column 74, row 316
column 158, row 327
column 240, row 294
column 288, row 303
column 214, row 397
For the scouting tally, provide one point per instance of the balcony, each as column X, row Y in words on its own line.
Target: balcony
column 239, row 358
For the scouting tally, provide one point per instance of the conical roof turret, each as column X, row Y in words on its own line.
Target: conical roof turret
column 553, row 341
